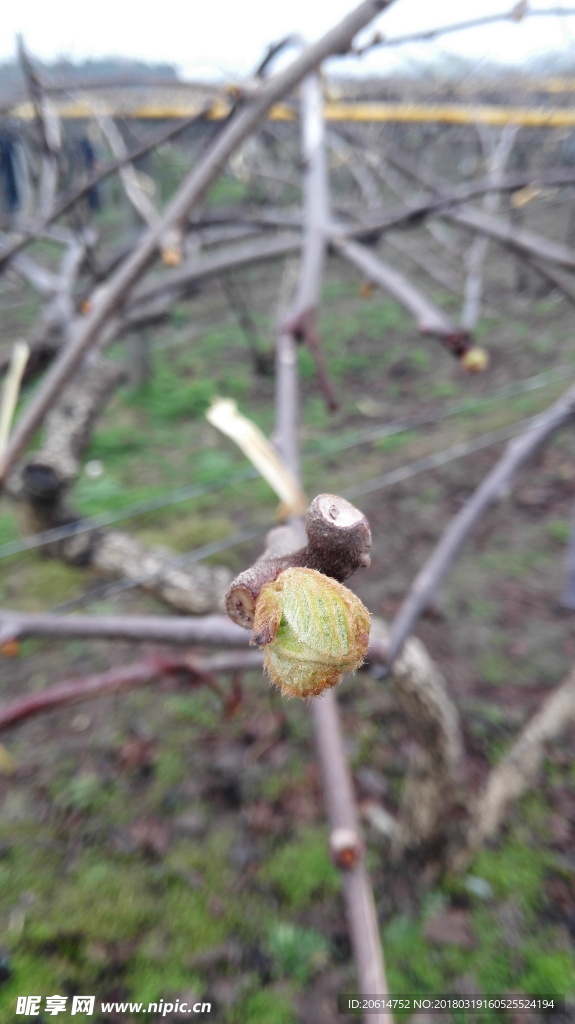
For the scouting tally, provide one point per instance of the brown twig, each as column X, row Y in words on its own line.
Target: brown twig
column 195, row 667
column 338, row 543
column 208, row 630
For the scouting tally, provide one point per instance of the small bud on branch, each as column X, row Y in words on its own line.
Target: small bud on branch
column 312, row 628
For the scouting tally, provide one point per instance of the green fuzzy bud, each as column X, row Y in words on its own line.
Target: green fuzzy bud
column 313, row 630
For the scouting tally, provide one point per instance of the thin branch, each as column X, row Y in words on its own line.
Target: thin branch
column 437, row 565
column 430, row 319
column 128, row 175
column 240, row 307
column 171, row 244
column 209, row 630
column 559, row 280
column 475, row 257
column 301, row 321
column 345, row 839
column 197, row 668
column 517, row 13
column 49, row 128
column 434, row 771
column 415, row 212
column 372, row 158
column 448, row 279
column 447, row 206
column 519, row 239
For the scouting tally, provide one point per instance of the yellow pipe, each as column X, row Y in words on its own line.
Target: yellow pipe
column 450, row 113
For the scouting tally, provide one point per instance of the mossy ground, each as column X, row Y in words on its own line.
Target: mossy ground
column 151, row 847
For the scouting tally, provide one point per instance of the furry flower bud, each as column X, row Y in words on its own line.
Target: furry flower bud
column 313, row 629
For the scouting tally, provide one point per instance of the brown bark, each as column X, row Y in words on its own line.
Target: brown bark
column 193, row 589
column 197, row 669
column 434, row 773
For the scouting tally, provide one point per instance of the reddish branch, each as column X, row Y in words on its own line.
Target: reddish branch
column 196, row 669
column 435, row 569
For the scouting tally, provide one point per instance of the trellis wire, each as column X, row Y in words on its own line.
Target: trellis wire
column 394, row 476
column 342, row 443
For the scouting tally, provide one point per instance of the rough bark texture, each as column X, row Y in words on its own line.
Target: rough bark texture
column 42, row 486
column 42, row 482
column 195, row 590
column 433, row 775
column 517, row 771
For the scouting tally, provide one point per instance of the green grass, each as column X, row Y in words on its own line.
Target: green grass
column 529, row 964
column 301, row 870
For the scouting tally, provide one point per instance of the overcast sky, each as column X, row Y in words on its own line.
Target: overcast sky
column 226, row 39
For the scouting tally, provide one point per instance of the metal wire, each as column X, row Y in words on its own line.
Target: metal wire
column 374, row 484
column 331, row 446
column 190, row 558
column 456, row 451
